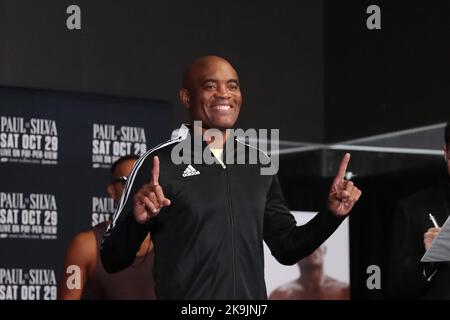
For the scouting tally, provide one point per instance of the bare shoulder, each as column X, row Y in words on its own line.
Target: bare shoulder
column 279, row 294
column 82, row 249
column 286, row 291
column 337, row 289
column 331, row 282
column 81, row 252
column 83, row 240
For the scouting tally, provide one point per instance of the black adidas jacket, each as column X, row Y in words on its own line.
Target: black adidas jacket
column 208, row 242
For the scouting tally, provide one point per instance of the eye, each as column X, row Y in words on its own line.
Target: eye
column 233, row 86
column 210, row 86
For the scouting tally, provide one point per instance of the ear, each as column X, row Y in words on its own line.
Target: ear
column 185, row 98
column 110, row 190
column 445, row 153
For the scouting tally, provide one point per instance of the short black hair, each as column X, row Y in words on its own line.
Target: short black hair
column 447, row 135
column 121, row 159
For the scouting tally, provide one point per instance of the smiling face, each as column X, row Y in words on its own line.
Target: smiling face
column 211, row 92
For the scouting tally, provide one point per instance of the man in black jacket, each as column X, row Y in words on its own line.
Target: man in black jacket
column 413, row 234
column 208, row 221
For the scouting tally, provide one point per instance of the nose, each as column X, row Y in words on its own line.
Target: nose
column 222, row 92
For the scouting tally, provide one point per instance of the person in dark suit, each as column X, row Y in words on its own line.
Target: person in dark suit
column 413, row 233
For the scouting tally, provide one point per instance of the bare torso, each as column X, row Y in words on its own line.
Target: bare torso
column 328, row 289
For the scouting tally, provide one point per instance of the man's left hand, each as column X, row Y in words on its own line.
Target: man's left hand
column 343, row 194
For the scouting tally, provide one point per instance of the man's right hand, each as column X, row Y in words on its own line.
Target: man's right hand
column 429, row 236
column 150, row 198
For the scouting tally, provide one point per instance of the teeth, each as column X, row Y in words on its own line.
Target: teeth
column 222, row 107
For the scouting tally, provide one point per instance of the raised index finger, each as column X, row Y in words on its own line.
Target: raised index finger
column 155, row 171
column 342, row 168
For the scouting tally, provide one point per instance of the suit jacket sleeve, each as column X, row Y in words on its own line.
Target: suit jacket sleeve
column 407, row 279
column 290, row 243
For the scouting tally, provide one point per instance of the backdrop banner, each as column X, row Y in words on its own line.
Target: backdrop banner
column 56, row 150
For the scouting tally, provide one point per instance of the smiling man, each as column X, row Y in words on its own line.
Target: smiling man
column 208, row 221
column 211, row 92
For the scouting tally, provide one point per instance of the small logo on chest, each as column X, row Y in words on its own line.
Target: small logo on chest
column 190, row 171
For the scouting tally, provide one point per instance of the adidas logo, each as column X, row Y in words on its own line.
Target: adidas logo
column 190, row 171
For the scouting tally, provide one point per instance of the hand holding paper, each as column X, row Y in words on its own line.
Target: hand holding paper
column 439, row 248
